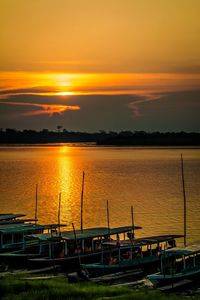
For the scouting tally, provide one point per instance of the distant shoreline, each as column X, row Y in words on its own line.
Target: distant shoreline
column 92, row 145
column 101, row 138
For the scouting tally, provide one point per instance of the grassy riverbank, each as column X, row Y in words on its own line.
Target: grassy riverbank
column 16, row 288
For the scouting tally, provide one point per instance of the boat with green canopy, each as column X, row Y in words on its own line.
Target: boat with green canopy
column 178, row 264
column 143, row 253
column 77, row 246
column 12, row 235
column 6, row 219
column 181, row 263
column 14, row 248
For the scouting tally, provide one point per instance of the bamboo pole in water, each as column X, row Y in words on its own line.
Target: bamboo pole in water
column 132, row 221
column 82, row 193
column 184, row 201
column 36, row 203
column 108, row 217
column 59, row 205
column 76, row 245
column 74, row 233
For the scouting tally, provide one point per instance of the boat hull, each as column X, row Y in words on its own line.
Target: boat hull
column 161, row 280
column 69, row 261
column 65, row 262
column 146, row 263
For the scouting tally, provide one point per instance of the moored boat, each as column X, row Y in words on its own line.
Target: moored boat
column 69, row 247
column 11, row 218
column 140, row 253
column 181, row 263
column 178, row 264
column 12, row 236
column 14, row 248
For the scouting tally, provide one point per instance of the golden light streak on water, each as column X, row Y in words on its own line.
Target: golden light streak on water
column 149, row 179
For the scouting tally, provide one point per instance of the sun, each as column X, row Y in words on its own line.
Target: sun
column 65, row 93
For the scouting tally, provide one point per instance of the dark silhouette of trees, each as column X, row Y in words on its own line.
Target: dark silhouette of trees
column 142, row 138
column 123, row 138
column 59, row 127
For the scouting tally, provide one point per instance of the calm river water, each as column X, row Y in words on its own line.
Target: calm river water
column 149, row 179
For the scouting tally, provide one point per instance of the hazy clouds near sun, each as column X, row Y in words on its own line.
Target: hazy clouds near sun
column 130, row 65
column 109, row 112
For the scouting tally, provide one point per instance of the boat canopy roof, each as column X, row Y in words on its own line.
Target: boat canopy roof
column 4, row 217
column 87, row 233
column 43, row 236
column 16, row 221
column 145, row 241
column 97, row 232
column 12, row 228
column 188, row 250
column 157, row 238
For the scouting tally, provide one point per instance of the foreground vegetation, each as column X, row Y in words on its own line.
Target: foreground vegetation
column 15, row 288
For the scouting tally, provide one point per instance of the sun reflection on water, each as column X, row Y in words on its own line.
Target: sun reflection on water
column 148, row 179
column 65, row 167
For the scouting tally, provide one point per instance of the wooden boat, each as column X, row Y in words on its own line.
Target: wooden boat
column 12, row 235
column 181, row 263
column 71, row 247
column 10, row 216
column 177, row 265
column 15, row 249
column 13, row 232
column 14, row 219
column 141, row 253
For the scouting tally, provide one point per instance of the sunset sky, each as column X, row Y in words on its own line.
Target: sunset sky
column 92, row 65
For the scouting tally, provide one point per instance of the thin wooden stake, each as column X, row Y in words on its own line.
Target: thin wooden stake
column 132, row 220
column 82, row 193
column 74, row 233
column 108, row 217
column 59, row 205
column 76, row 245
column 36, row 203
column 184, row 201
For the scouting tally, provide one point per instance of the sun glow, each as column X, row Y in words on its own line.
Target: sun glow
column 55, row 84
column 65, row 93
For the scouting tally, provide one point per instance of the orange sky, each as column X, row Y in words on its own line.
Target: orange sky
column 99, row 83
column 88, row 47
column 100, row 36
column 61, row 84
column 149, row 86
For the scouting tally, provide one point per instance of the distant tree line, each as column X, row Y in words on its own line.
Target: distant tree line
column 142, row 138
column 136, row 138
